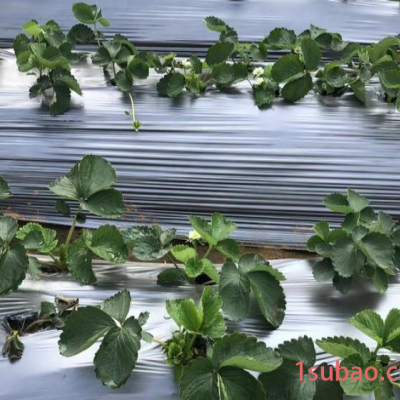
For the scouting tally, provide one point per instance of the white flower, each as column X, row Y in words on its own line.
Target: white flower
column 259, row 81
column 258, row 71
column 194, row 235
column 186, row 63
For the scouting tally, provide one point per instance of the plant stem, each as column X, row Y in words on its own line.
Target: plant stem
column 160, row 342
column 173, row 261
column 96, row 34
column 34, row 323
column 113, row 66
column 133, row 112
column 208, row 251
column 71, row 231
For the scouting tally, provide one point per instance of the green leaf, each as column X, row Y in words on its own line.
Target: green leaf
column 5, row 191
column 124, row 81
column 380, row 280
column 229, row 248
column 206, row 320
column 153, row 243
column 301, row 349
column 82, row 329
column 269, row 294
column 103, row 22
column 70, row 81
column 358, row 87
column 336, row 77
column 234, row 289
column 347, row 259
column 362, row 386
column 63, row 208
column 219, row 53
column 34, row 268
column 79, row 263
column 21, row 44
column 84, row 13
column 215, row 24
column 47, row 239
column 311, row 54
column 338, row 203
column 8, row 229
column 200, row 381
column 263, row 97
column 183, row 253
column 242, row 351
column 297, row 89
column 327, row 390
column 172, row 276
column 356, row 202
column 370, row 323
column 392, row 326
column 14, row 265
column 210, row 270
column 213, row 324
column 384, row 391
column 287, row 67
column 223, row 73
column 343, row 347
column 197, row 65
column 390, row 79
column 321, row 228
column 138, row 68
column 282, row 38
column 323, row 270
column 171, row 85
column 219, row 229
column 81, row 34
column 118, row 353
column 185, row 314
column 107, row 243
column 194, row 267
column 379, row 249
column 32, row 28
column 101, row 57
column 107, row 203
column 88, row 177
column 343, row 285
column 61, row 99
column 284, row 383
column 47, row 309
column 118, row 306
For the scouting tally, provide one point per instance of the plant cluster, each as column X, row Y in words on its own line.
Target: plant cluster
column 366, row 244
column 49, row 54
column 210, row 362
column 89, row 185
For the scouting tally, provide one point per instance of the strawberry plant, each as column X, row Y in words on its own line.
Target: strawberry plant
column 200, row 351
column 89, row 184
column 240, row 276
column 365, row 245
column 48, row 55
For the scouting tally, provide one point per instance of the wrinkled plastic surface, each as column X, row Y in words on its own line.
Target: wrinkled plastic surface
column 267, row 170
column 313, row 309
column 177, row 24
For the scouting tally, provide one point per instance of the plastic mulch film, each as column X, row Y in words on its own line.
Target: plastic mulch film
column 267, row 170
column 177, row 24
column 313, row 309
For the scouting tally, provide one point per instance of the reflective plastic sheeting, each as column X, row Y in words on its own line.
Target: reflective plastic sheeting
column 268, row 170
column 313, row 309
column 177, row 24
